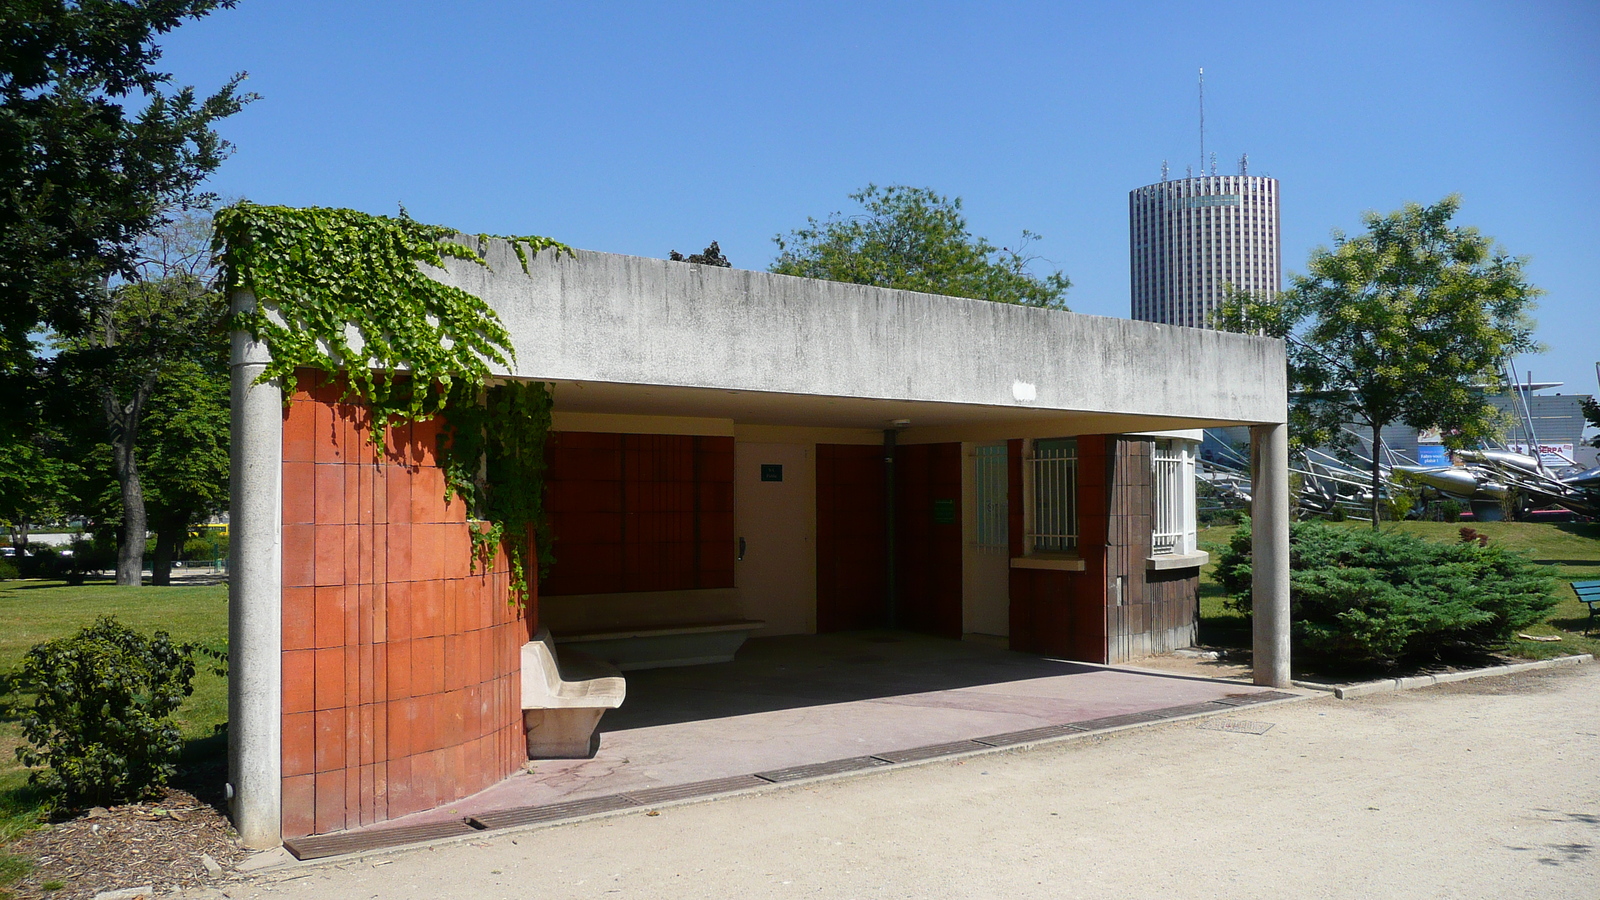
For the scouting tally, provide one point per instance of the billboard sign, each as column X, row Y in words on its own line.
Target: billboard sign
column 1553, row 455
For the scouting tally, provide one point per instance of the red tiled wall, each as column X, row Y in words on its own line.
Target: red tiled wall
column 639, row 512
column 928, row 568
column 850, row 537
column 400, row 664
column 1064, row 613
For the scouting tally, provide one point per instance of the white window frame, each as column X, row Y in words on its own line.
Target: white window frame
column 1174, row 529
column 1050, row 492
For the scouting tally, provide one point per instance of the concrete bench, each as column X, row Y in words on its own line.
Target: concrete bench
column 563, row 698
column 650, row 630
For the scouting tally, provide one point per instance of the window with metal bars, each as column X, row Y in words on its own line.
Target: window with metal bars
column 991, row 483
column 1053, row 520
column 1173, row 527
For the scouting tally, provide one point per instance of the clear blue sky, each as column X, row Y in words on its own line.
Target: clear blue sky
column 643, row 128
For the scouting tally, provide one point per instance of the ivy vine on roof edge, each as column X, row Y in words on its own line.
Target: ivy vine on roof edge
column 344, row 292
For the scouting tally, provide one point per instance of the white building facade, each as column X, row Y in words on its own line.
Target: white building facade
column 1190, row 238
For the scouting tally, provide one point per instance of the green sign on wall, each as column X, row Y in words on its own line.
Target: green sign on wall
column 944, row 512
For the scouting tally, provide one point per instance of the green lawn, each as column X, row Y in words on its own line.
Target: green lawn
column 1573, row 548
column 34, row 611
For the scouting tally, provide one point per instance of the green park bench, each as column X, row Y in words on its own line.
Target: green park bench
column 1589, row 593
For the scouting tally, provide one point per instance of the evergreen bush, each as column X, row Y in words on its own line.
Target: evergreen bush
column 1360, row 599
column 101, row 721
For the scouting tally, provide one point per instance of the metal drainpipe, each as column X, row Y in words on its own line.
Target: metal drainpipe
column 891, row 586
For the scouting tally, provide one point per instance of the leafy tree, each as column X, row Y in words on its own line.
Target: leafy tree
column 916, row 240
column 711, row 256
column 1591, row 412
column 1403, row 323
column 95, row 149
column 158, row 331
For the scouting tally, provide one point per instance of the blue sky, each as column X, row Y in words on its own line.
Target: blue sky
column 643, row 128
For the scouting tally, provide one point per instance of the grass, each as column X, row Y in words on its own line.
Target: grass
column 35, row 611
column 1573, row 548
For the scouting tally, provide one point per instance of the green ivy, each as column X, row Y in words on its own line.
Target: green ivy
column 344, row 292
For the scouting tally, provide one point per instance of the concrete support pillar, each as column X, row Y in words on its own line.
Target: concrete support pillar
column 1269, row 534
column 255, row 600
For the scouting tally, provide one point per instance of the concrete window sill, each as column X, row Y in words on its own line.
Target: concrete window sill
column 1177, row 561
column 1058, row 563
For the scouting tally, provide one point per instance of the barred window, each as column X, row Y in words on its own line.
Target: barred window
column 1173, row 529
column 1053, row 523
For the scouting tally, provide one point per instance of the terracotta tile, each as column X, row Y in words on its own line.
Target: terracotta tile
column 352, row 737
column 397, row 552
column 380, row 673
column 299, row 431
column 397, row 494
column 299, row 743
column 299, row 618
column 330, row 801
column 299, row 493
column 427, row 608
column 330, row 620
column 366, row 536
column 381, row 750
column 352, row 553
column 401, row 799
column 380, row 613
column 363, row 614
column 368, row 674
column 425, row 438
column 455, row 662
column 330, row 689
column 450, row 621
column 397, row 725
column 399, row 445
column 299, row 556
column 364, row 795
column 329, row 494
column 326, row 434
column 352, row 492
column 299, row 681
column 352, row 686
column 330, row 753
column 299, row 806
column 472, row 710
column 398, row 669
column 427, row 665
column 397, row 611
column 380, row 792
column 380, row 554
column 329, row 550
column 428, row 554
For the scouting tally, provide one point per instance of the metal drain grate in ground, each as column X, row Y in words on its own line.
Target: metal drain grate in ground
column 1236, row 726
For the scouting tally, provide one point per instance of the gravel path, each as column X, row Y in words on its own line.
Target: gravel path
column 1488, row 788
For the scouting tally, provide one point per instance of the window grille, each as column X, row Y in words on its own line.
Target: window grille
column 1055, row 496
column 1173, row 479
column 992, row 486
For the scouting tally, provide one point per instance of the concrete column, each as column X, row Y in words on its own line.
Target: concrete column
column 1269, row 534
column 255, row 600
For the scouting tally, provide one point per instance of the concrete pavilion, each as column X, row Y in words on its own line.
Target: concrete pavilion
column 806, row 456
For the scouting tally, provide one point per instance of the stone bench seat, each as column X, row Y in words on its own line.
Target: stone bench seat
column 563, row 698
column 651, row 630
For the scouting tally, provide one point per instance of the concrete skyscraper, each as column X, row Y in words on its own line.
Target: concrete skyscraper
column 1190, row 238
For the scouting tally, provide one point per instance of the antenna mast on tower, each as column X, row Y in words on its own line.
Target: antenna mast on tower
column 1202, row 120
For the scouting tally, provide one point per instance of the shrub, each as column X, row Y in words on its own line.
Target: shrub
column 101, row 717
column 1360, row 598
column 8, row 570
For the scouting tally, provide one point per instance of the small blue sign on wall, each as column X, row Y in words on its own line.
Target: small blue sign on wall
column 771, row 472
column 1432, row 455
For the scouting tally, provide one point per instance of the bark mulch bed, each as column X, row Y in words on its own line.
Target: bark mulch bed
column 160, row 843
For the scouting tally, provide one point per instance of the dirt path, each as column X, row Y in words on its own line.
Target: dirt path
column 1480, row 789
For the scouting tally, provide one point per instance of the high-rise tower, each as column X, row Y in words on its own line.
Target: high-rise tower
column 1190, row 238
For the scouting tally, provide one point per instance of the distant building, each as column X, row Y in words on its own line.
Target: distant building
column 1190, row 238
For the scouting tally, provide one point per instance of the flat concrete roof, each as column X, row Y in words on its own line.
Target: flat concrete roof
column 627, row 334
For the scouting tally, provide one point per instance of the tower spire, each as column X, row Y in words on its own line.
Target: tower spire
column 1202, row 120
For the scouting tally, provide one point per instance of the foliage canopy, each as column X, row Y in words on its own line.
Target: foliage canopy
column 917, row 240
column 1406, row 322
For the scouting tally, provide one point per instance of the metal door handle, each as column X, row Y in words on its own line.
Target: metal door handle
column 741, row 548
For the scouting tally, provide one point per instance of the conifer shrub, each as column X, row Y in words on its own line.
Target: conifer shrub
column 1365, row 599
column 100, row 729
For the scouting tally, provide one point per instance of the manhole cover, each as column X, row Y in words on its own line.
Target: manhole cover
column 1236, row 726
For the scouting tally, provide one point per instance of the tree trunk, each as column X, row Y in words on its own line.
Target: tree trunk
column 1377, row 472
column 169, row 539
column 122, row 420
